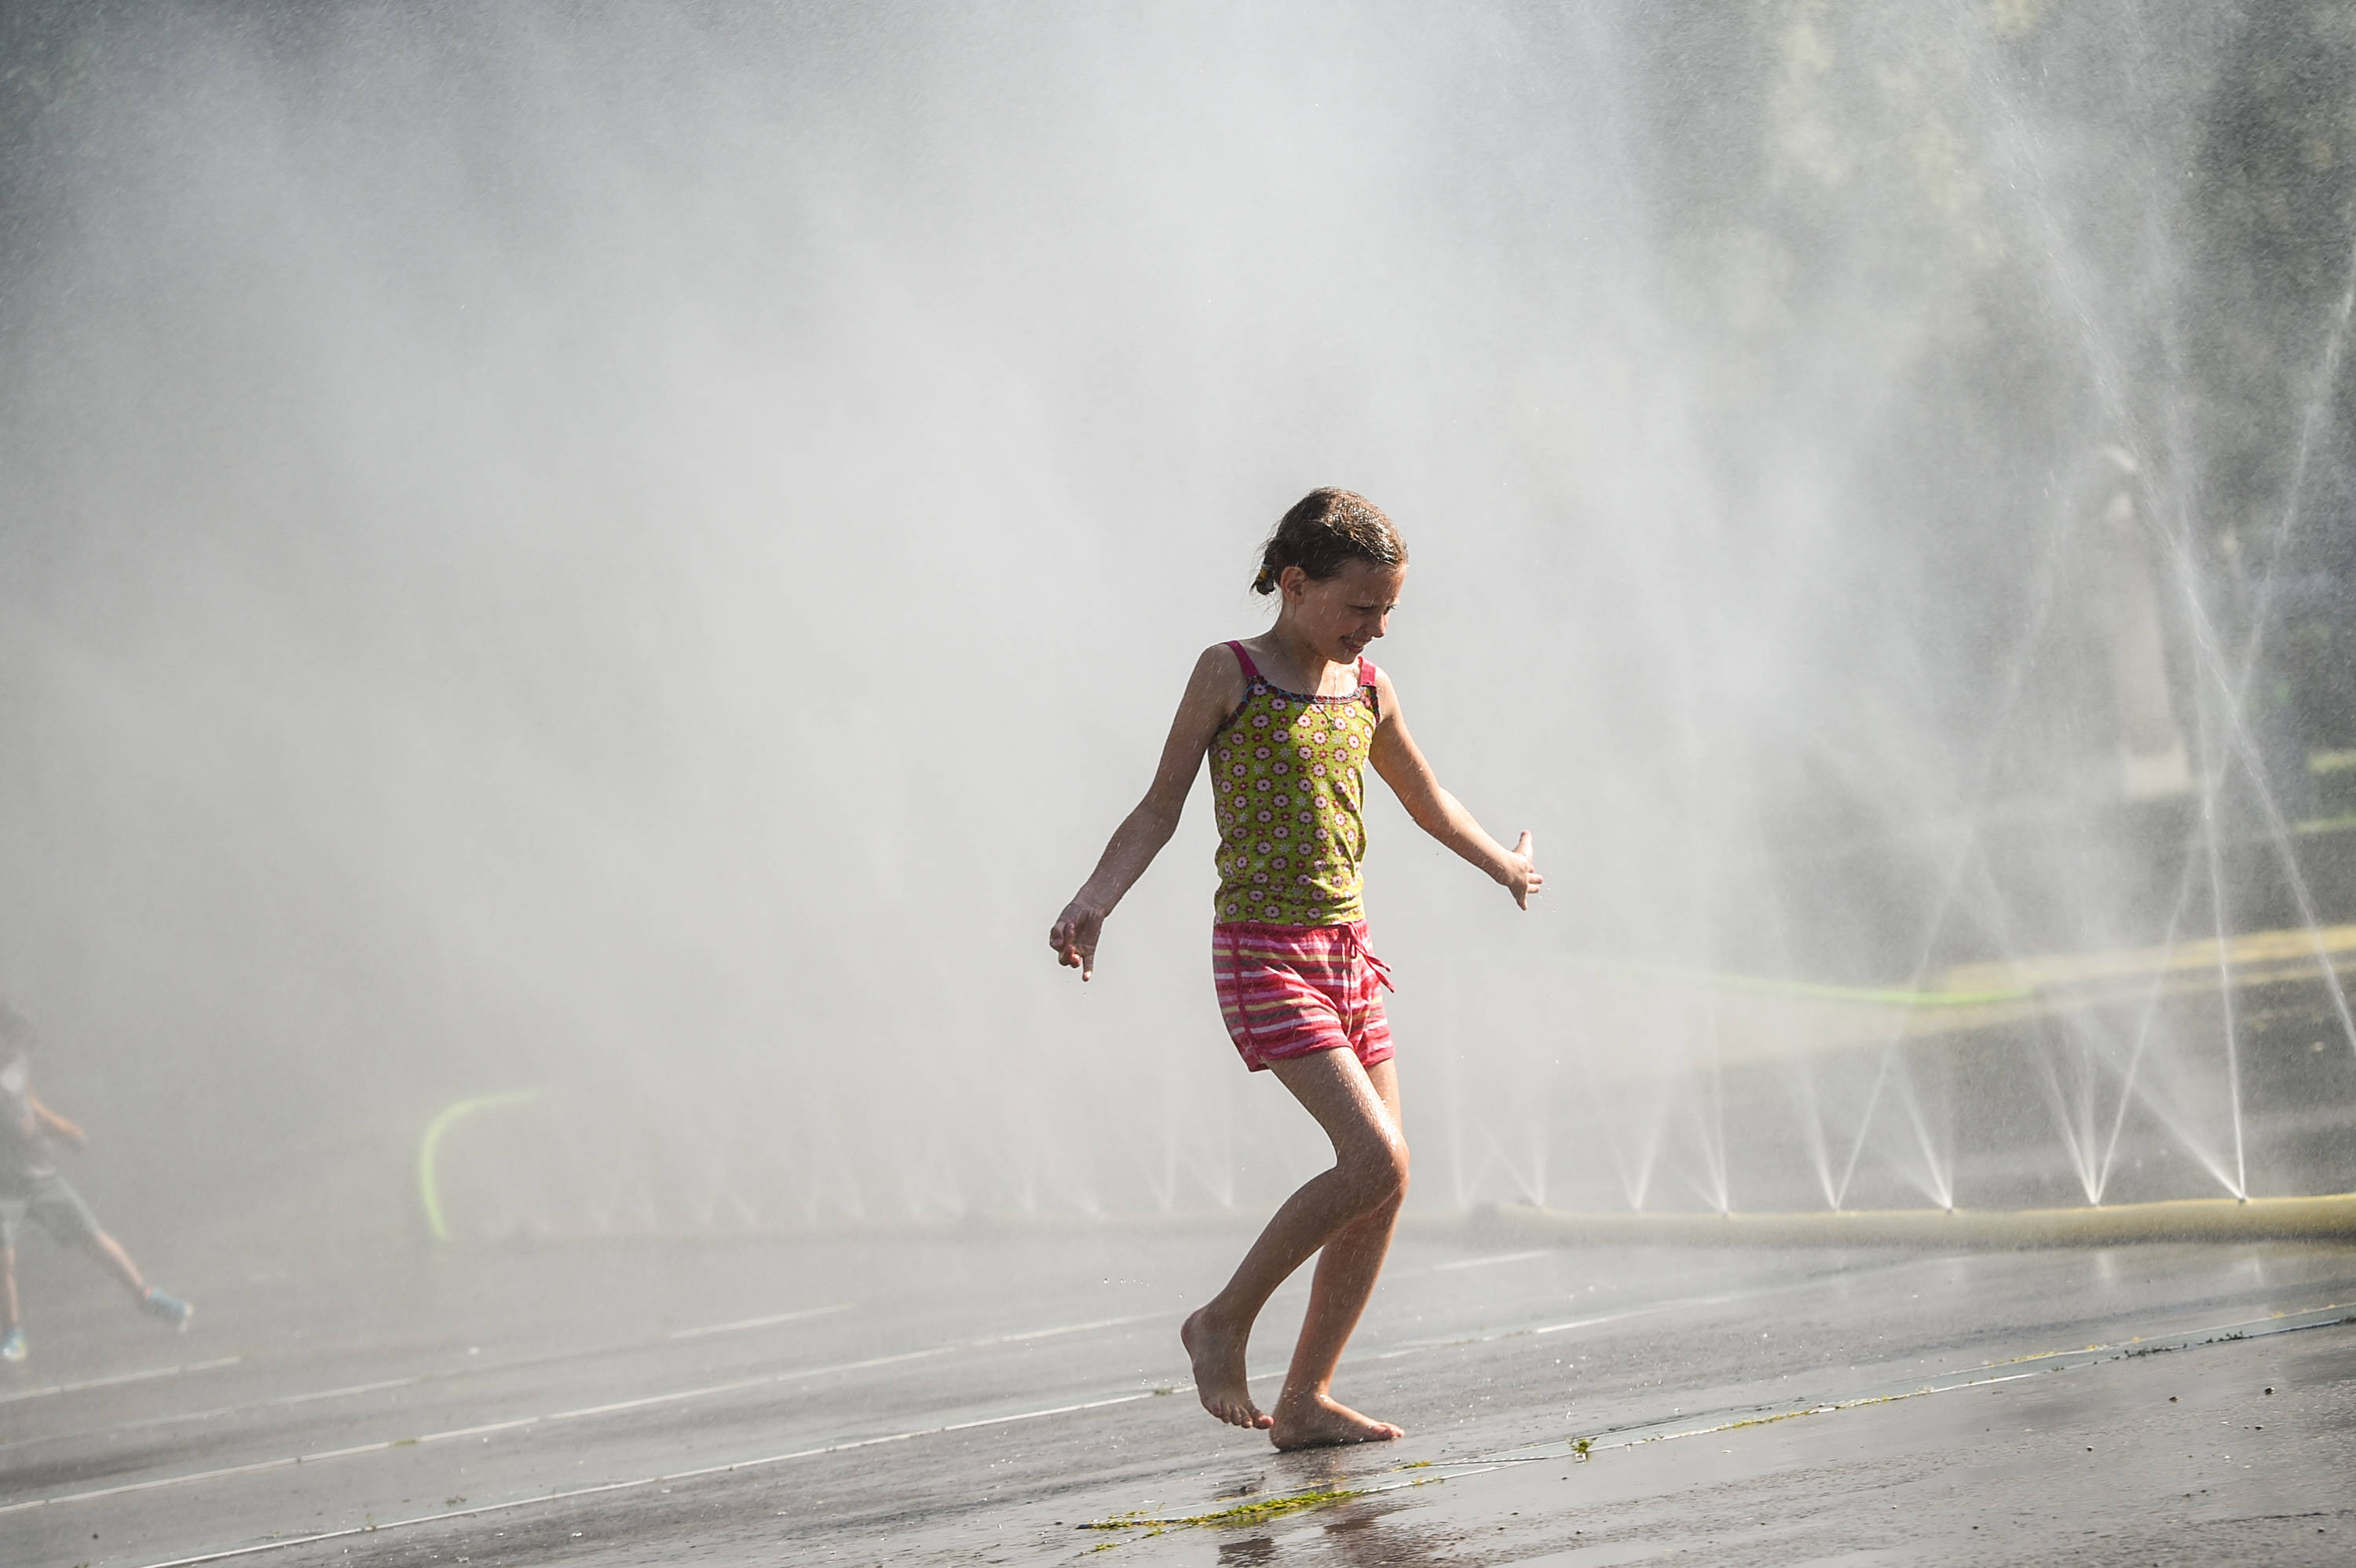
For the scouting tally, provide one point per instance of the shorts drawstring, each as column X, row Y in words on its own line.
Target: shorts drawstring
column 1378, row 972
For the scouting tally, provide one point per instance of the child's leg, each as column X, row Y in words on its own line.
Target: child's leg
column 1368, row 1177
column 1306, row 1412
column 115, row 1261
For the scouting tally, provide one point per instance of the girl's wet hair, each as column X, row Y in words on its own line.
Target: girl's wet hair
column 1325, row 531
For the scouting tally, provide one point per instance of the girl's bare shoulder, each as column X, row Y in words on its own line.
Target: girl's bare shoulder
column 1220, row 667
column 1216, row 687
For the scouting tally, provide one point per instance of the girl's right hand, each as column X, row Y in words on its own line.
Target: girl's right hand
column 1074, row 937
column 1521, row 874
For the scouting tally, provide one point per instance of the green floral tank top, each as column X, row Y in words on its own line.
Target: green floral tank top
column 1288, row 774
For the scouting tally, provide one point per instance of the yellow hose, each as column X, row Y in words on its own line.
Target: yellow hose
column 2331, row 1217
column 429, row 1191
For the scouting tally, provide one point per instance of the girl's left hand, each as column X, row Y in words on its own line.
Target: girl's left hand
column 1074, row 937
column 1521, row 874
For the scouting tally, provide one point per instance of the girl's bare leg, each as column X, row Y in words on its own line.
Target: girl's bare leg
column 1360, row 1194
column 1306, row 1412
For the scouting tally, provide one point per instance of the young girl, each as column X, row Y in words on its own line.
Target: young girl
column 1290, row 719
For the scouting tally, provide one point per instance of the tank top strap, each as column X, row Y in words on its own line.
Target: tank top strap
column 1368, row 685
column 1251, row 670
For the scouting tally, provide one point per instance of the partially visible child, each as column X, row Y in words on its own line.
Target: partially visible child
column 30, row 1185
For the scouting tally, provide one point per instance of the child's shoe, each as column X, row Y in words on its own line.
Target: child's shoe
column 170, row 1310
column 12, row 1346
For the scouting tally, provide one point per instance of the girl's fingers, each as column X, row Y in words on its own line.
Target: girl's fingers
column 1064, row 938
column 1532, row 879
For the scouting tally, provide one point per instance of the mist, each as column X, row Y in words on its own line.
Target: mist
column 637, row 553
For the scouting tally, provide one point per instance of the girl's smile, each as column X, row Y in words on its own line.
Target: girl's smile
column 1337, row 617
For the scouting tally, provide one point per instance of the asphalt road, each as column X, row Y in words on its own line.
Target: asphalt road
column 984, row 1398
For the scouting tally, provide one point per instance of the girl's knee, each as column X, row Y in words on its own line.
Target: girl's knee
column 1398, row 1168
column 1379, row 1173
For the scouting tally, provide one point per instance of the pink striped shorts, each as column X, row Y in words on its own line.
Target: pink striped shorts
column 1294, row 990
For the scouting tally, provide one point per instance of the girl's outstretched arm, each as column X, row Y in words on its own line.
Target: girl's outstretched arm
column 1439, row 812
column 1212, row 693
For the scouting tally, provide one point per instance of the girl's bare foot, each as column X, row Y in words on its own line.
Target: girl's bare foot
column 1218, row 1353
column 1314, row 1420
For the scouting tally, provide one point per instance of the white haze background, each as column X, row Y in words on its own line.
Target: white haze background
column 641, row 550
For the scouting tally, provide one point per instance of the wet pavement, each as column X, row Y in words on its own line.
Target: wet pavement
column 978, row 1397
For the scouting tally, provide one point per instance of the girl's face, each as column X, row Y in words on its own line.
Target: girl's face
column 1339, row 615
